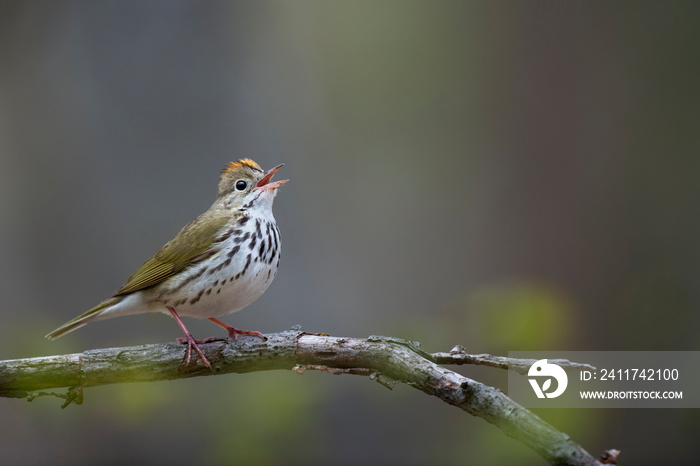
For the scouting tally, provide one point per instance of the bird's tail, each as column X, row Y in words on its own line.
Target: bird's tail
column 83, row 319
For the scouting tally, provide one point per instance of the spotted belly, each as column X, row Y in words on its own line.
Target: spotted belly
column 238, row 274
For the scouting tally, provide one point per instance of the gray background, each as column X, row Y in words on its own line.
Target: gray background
column 502, row 175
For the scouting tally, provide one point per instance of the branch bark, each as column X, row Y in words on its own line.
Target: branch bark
column 384, row 359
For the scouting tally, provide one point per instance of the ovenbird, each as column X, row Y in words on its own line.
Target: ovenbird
column 217, row 264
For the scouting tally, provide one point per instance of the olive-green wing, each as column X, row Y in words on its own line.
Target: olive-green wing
column 193, row 244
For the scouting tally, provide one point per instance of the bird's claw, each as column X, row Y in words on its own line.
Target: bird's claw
column 234, row 332
column 192, row 343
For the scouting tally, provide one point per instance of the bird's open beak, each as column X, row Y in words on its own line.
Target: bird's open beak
column 265, row 183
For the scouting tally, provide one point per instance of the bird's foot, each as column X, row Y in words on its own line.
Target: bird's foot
column 189, row 340
column 234, row 332
column 192, row 344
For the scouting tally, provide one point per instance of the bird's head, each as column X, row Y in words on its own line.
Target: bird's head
column 244, row 184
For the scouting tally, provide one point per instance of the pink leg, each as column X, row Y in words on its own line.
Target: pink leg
column 234, row 332
column 191, row 342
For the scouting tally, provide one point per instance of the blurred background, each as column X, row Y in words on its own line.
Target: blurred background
column 501, row 175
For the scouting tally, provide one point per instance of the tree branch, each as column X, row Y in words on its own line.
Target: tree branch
column 458, row 355
column 384, row 359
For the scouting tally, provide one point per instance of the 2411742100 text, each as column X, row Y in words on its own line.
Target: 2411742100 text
column 631, row 374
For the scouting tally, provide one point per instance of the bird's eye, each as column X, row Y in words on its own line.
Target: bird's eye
column 241, row 185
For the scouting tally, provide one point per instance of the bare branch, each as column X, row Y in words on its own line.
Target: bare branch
column 458, row 355
column 384, row 359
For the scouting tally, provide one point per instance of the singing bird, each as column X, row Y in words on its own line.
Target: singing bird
column 217, row 264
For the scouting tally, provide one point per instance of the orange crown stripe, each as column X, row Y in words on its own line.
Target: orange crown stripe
column 233, row 166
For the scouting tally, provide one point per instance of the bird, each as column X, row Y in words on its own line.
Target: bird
column 217, row 264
